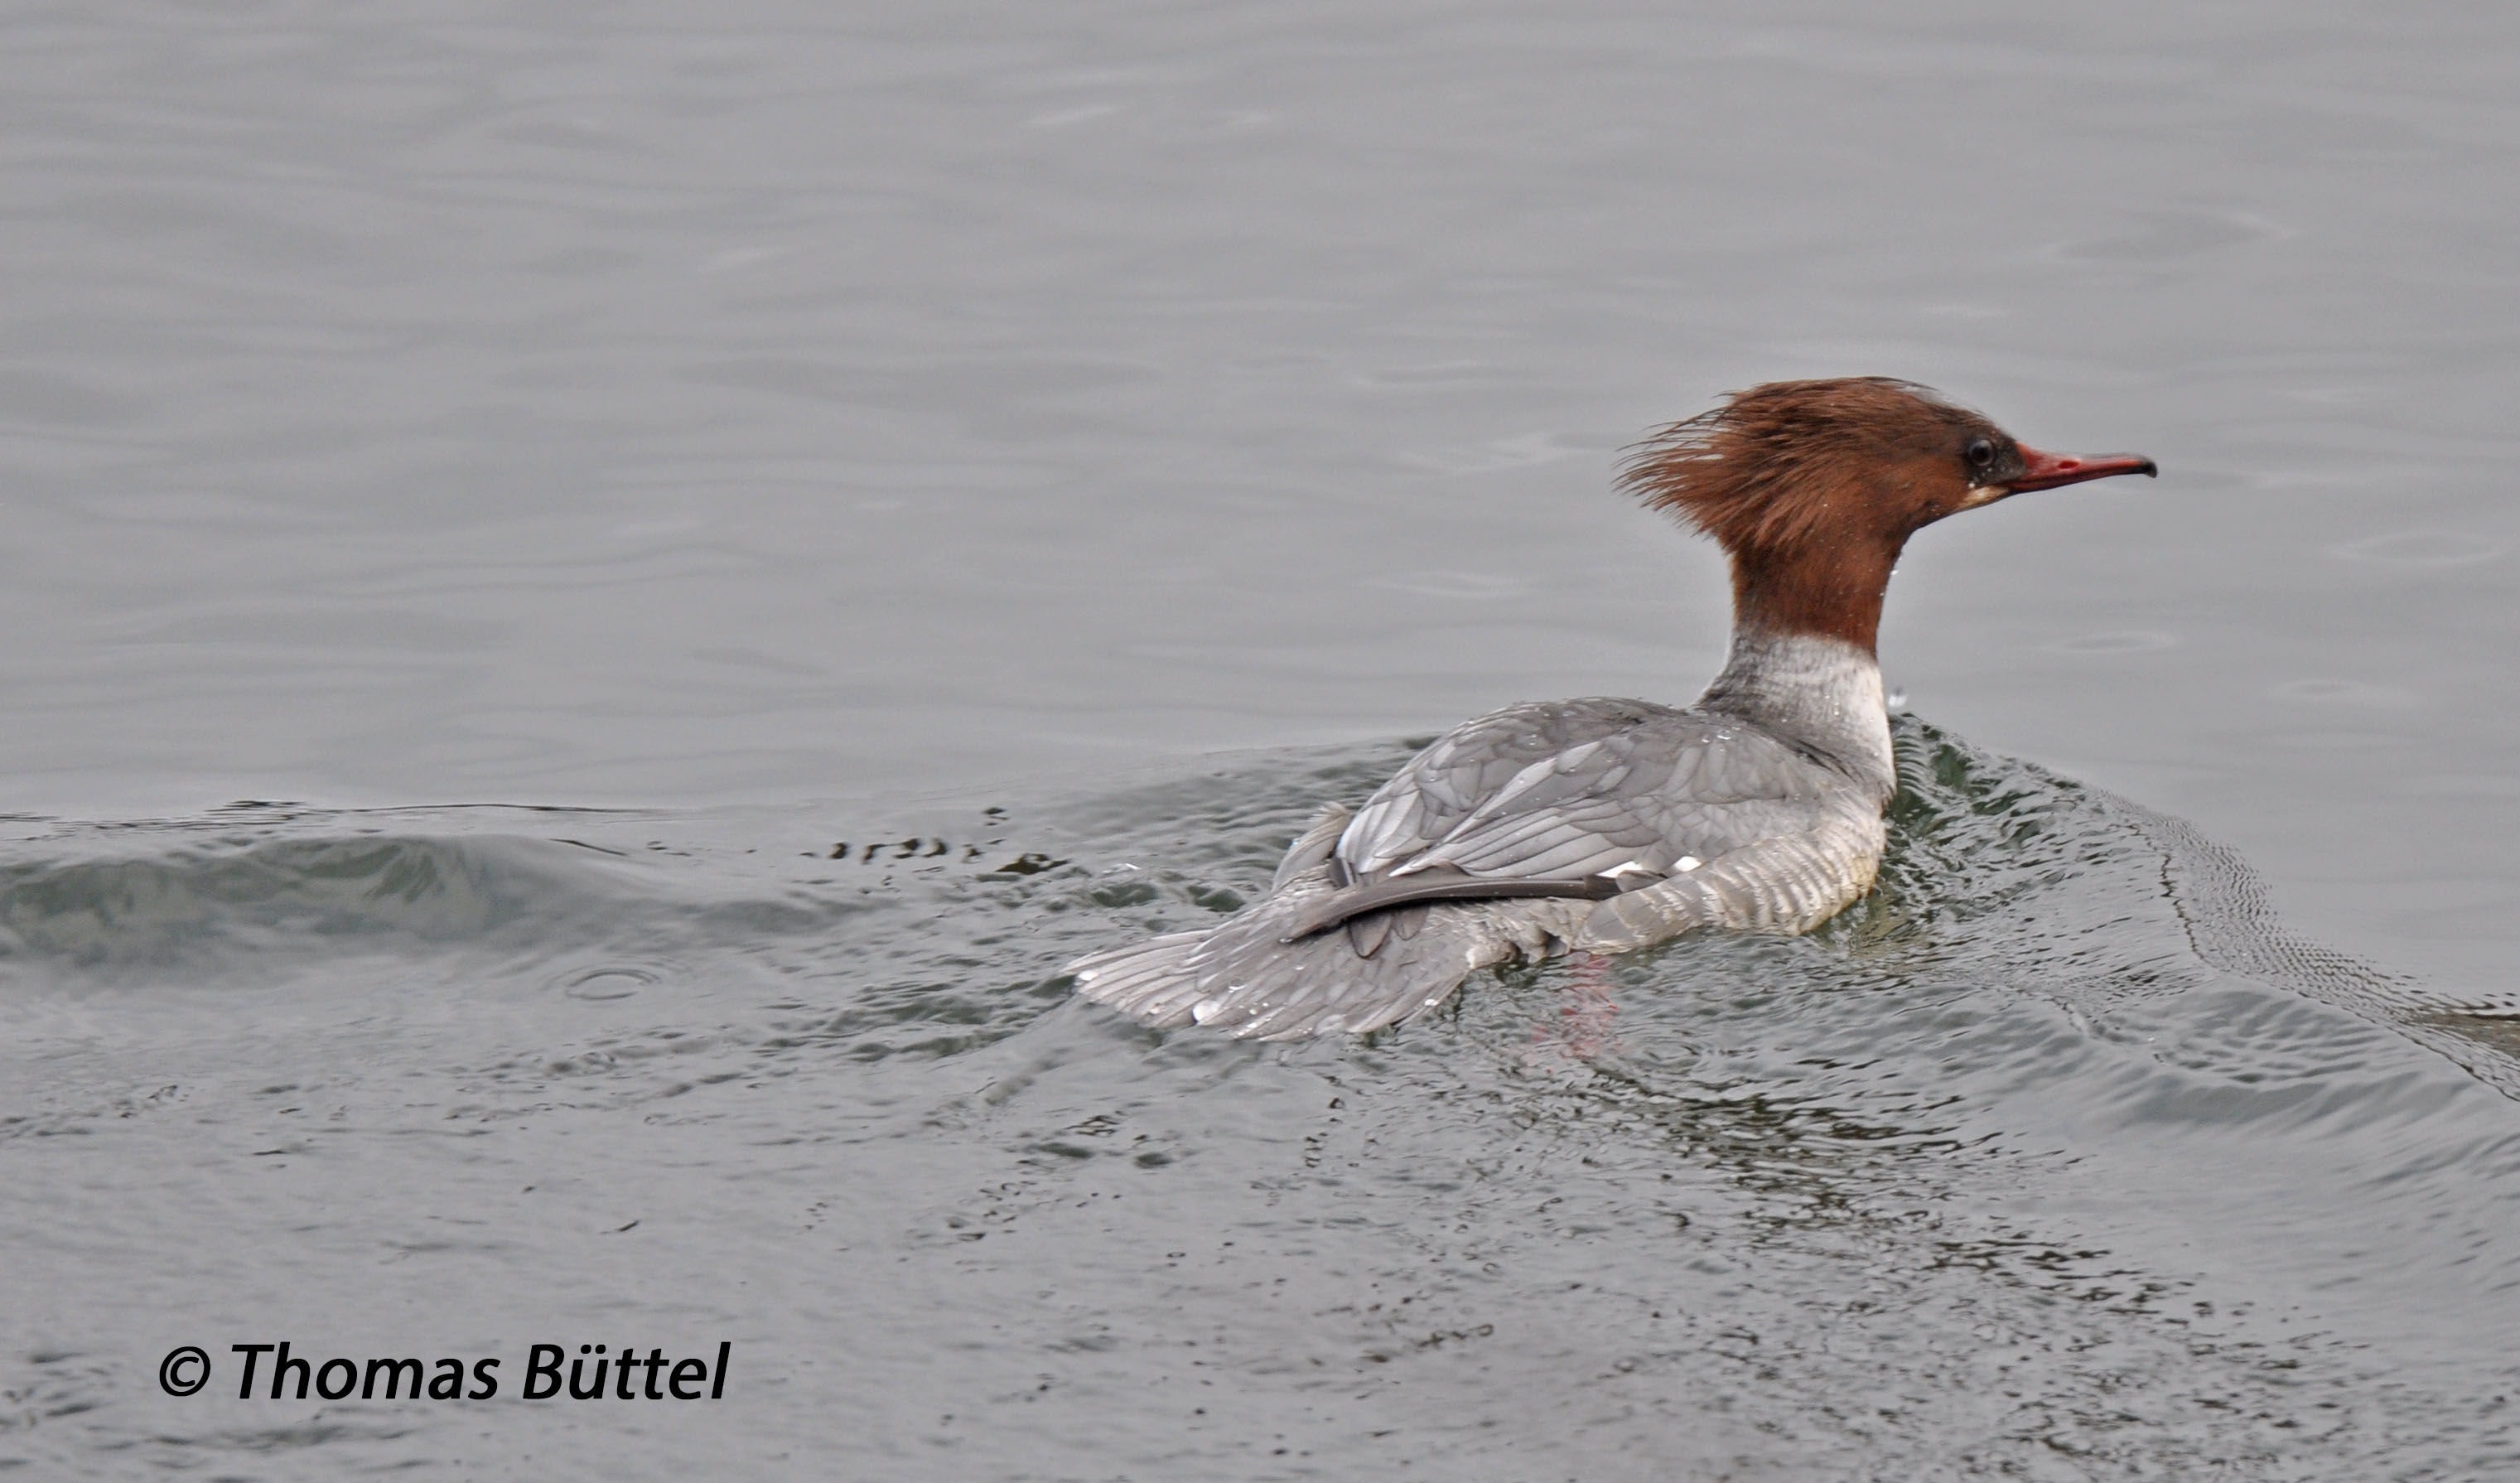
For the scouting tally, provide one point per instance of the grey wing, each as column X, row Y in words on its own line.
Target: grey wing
column 1537, row 795
column 1576, row 788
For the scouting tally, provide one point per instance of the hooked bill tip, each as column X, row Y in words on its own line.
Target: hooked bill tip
column 2049, row 471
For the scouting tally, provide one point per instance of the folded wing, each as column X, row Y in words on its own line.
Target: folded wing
column 1569, row 789
column 1533, row 826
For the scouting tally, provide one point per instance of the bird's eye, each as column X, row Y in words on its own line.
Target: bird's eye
column 1980, row 453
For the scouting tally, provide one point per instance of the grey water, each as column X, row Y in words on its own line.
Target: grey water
column 597, row 596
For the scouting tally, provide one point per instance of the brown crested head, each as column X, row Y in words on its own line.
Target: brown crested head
column 1814, row 487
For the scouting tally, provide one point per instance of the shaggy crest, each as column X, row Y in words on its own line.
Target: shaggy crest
column 1756, row 474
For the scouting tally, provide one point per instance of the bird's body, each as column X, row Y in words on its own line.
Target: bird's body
column 1608, row 825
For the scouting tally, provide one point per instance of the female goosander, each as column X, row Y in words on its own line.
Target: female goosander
column 1604, row 825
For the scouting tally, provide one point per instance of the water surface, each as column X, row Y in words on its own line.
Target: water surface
column 432, row 437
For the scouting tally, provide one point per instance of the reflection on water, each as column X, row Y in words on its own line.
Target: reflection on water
column 2055, row 1146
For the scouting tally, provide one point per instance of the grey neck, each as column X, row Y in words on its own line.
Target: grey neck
column 1823, row 694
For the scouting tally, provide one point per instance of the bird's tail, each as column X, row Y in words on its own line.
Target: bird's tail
column 1241, row 977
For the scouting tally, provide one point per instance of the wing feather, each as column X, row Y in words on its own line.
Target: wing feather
column 1570, row 789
